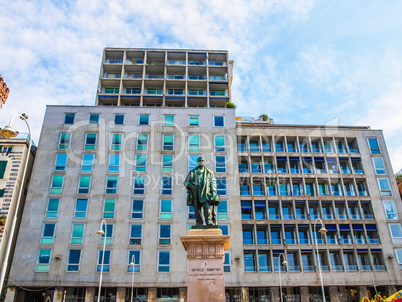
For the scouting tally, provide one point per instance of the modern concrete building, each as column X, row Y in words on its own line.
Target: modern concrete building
column 279, row 184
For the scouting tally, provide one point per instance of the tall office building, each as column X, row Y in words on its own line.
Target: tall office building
column 279, row 185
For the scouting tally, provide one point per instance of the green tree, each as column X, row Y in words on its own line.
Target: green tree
column 230, row 105
column 264, row 117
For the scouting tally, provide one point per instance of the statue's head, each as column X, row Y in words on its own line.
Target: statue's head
column 200, row 161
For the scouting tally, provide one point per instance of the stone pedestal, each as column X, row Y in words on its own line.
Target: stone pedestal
column 205, row 253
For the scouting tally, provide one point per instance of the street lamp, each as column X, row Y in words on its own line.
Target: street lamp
column 284, row 262
column 9, row 229
column 322, row 230
column 101, row 233
column 132, row 264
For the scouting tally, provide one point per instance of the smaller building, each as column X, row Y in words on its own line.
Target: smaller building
column 4, row 92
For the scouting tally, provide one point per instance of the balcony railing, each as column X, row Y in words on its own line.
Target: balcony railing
column 346, row 171
column 307, row 171
column 365, row 268
column 134, row 61
column 351, row 268
column 197, row 63
column 353, row 150
column 360, row 241
column 294, row 268
column 197, row 92
column 314, row 216
column 341, row 150
column 173, row 62
column 325, row 268
column 374, row 240
column 276, row 241
column 154, row 76
column 368, row 216
column 329, row 216
column 274, row 216
column 355, row 216
column 132, row 91
column 175, row 92
column 380, row 268
column 133, row 75
column 342, row 216
column 304, row 150
column 305, row 241
column 288, row 216
column 218, row 78
column 154, row 91
column 295, row 170
column 114, row 61
column 217, row 63
column 197, row 77
column 357, row 171
column 217, row 93
column 301, row 216
column 175, row 76
column 248, row 268
column 332, row 241
column 110, row 90
column 346, row 241
column 337, row 268
column 111, row 75
column 282, row 268
column 264, row 268
column 309, row 268
column 363, row 193
column 321, row 171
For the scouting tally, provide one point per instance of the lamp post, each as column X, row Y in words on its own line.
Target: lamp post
column 284, row 262
column 132, row 264
column 322, row 230
column 10, row 226
column 101, row 233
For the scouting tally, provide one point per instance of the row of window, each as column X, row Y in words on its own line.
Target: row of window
column 144, row 119
column 305, row 234
column 139, row 184
column 310, row 187
column 137, row 209
column 303, row 144
column 142, row 142
column 325, row 209
column 306, row 260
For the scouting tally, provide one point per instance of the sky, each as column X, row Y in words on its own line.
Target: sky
column 298, row 61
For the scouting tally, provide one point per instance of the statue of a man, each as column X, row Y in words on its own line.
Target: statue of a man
column 201, row 193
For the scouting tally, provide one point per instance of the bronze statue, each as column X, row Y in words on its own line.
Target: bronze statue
column 201, row 193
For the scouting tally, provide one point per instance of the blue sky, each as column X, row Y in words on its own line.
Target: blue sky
column 299, row 61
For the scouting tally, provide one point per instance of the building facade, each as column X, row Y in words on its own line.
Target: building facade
column 279, row 184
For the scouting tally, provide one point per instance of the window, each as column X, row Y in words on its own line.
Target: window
column 61, row 162
column 94, row 118
column 43, row 262
column 219, row 121
column 398, row 253
column 139, row 185
column 140, row 162
column 135, row 234
column 138, row 209
column 373, row 145
column 84, row 185
column 69, row 118
column 168, row 140
column 109, row 208
column 165, row 234
column 226, row 262
column 224, row 229
column 90, row 141
column 77, row 234
column 81, row 208
column 163, row 261
column 384, row 186
column 52, row 208
column 48, row 233
column 192, row 162
column 194, row 143
column 194, row 120
column 116, row 141
column 166, row 209
column 111, row 185
column 114, row 162
column 119, row 119
column 74, row 257
column 219, row 143
column 2, row 192
column 3, row 165
column 57, row 184
column 223, row 210
column 221, row 185
column 106, row 261
column 65, row 140
column 166, row 185
column 87, row 161
column 390, row 209
column 6, row 149
column 167, row 163
column 142, row 141
column 169, row 120
column 379, row 166
column 144, row 120
column 396, row 231
column 220, row 164
column 134, row 257
column 108, row 233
